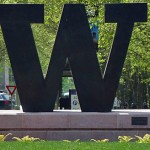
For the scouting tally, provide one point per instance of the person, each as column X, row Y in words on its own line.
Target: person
column 117, row 103
column 64, row 102
column 125, row 105
column 145, row 106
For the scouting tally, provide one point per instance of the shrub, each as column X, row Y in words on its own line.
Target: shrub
column 103, row 140
column 145, row 139
column 125, row 138
column 25, row 139
column 3, row 137
column 77, row 140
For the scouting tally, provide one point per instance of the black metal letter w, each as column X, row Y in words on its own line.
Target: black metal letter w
column 96, row 92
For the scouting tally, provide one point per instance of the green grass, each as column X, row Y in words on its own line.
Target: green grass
column 59, row 145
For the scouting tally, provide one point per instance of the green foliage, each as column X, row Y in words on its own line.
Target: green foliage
column 26, row 139
column 67, row 83
column 145, row 139
column 57, row 145
column 124, row 138
column 102, row 140
column 77, row 140
column 3, row 137
column 92, row 140
column 66, row 141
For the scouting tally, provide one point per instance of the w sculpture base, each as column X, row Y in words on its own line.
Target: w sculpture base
column 72, row 125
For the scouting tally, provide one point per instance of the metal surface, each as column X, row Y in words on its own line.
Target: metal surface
column 73, row 42
column 23, row 55
column 139, row 121
column 124, row 15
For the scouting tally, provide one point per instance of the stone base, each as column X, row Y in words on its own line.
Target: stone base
column 72, row 125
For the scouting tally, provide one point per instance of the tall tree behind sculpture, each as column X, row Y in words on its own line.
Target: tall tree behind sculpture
column 73, row 41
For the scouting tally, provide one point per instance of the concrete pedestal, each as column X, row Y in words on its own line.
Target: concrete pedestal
column 72, row 125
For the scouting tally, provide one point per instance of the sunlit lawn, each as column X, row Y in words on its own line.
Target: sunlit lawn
column 51, row 145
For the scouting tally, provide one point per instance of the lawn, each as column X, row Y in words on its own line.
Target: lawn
column 59, row 145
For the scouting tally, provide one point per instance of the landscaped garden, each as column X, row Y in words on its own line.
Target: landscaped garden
column 31, row 143
column 61, row 145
